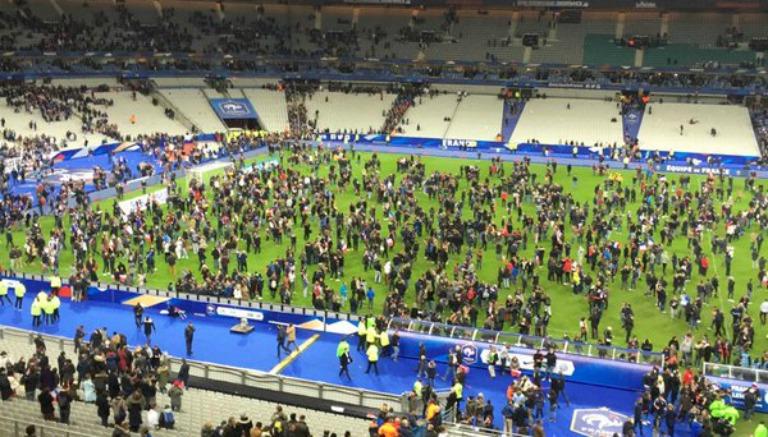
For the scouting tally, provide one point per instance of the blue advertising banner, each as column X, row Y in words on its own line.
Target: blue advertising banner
column 684, row 162
column 737, row 389
column 576, row 368
column 234, row 109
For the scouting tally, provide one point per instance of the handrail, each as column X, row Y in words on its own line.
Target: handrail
column 18, row 429
column 250, row 377
column 463, row 430
column 740, row 373
column 504, row 338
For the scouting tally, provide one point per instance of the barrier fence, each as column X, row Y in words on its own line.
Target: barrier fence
column 746, row 374
column 506, row 338
column 462, row 430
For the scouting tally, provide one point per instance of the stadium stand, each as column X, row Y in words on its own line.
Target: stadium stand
column 356, row 111
column 477, row 117
column 586, row 121
column 642, row 23
column 144, row 11
column 134, row 114
column 271, row 106
column 430, row 116
column 179, row 82
column 474, row 33
column 196, row 107
column 696, row 28
column 734, row 133
column 600, row 49
column 198, row 406
column 690, row 55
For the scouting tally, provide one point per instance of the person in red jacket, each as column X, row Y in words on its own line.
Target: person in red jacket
column 703, row 265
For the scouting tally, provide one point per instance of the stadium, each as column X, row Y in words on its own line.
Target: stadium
column 397, row 218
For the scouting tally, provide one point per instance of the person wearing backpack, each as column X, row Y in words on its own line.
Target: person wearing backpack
column 167, row 419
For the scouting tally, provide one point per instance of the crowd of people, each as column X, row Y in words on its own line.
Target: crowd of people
column 579, row 244
column 122, row 382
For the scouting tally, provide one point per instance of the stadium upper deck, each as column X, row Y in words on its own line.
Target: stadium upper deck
column 640, row 36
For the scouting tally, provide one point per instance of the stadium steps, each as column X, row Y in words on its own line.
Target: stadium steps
column 167, row 104
column 198, row 407
column 453, row 118
column 271, row 107
column 197, row 108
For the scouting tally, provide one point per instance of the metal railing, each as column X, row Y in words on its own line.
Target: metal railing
column 735, row 372
column 18, row 428
column 248, row 377
column 506, row 338
column 463, row 430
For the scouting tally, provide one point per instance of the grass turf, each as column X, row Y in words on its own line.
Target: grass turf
column 567, row 308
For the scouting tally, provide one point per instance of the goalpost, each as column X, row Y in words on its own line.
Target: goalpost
column 199, row 173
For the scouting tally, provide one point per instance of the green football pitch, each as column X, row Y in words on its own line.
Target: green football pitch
column 567, row 308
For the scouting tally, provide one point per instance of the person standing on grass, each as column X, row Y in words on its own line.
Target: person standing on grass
column 370, row 296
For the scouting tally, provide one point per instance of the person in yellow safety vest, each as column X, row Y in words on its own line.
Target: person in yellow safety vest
column 384, row 342
column 36, row 310
column 55, row 304
column 55, row 284
column 4, row 292
column 371, row 336
column 458, row 389
column 418, row 387
column 47, row 306
column 373, row 358
column 19, row 290
column 361, row 335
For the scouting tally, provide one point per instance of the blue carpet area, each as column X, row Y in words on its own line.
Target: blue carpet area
column 213, row 343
